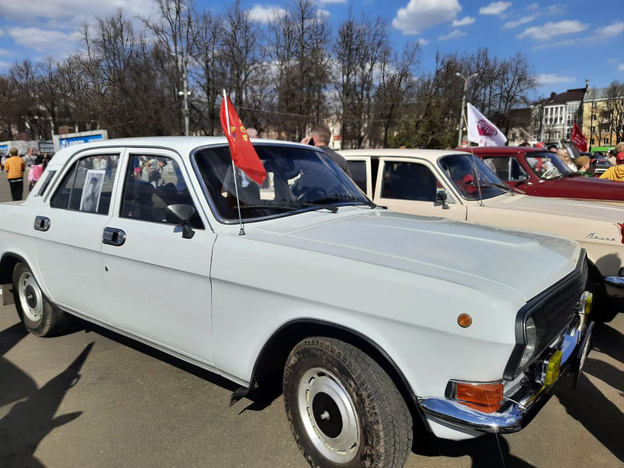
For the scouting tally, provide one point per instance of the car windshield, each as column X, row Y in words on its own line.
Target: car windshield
column 547, row 165
column 473, row 179
column 298, row 179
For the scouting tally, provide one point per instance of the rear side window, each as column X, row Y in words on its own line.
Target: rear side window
column 88, row 185
column 358, row 173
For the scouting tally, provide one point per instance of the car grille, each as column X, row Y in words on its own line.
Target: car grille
column 552, row 310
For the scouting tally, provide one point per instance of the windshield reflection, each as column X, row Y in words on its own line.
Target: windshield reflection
column 473, row 179
column 298, row 179
column 547, row 165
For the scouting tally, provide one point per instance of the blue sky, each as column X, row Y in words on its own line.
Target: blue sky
column 566, row 41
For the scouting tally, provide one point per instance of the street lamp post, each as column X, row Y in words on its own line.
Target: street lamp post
column 461, row 118
column 185, row 92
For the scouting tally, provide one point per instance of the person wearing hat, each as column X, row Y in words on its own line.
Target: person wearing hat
column 616, row 172
column 15, row 167
column 583, row 164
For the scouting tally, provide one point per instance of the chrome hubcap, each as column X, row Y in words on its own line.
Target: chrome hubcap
column 30, row 297
column 328, row 415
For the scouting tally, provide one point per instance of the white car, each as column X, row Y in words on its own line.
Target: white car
column 373, row 320
column 460, row 186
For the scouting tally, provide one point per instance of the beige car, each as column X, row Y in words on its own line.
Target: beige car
column 459, row 186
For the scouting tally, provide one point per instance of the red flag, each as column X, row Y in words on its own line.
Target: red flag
column 243, row 153
column 578, row 138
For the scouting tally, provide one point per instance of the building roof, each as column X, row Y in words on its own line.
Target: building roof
column 570, row 95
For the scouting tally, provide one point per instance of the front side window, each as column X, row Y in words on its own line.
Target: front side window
column 150, row 185
column 506, row 168
column 408, row 181
column 547, row 165
column 472, row 177
column 88, row 185
column 298, row 179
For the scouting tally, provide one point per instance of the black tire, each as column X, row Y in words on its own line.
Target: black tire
column 358, row 419
column 37, row 313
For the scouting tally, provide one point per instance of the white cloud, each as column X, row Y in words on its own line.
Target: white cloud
column 520, row 22
column 455, row 34
column 495, row 8
column 551, row 78
column 72, row 10
column 614, row 29
column 621, row 67
column 533, row 6
column 5, row 52
column 42, row 40
column 553, row 30
column 423, row 42
column 264, row 14
column 418, row 15
column 463, row 22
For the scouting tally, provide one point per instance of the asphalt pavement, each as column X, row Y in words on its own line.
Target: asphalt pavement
column 92, row 398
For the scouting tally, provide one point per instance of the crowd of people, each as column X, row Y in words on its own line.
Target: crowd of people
column 17, row 167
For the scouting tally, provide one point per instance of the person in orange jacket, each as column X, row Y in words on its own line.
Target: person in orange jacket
column 15, row 167
column 616, row 172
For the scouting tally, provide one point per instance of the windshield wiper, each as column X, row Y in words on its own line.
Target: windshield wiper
column 270, row 207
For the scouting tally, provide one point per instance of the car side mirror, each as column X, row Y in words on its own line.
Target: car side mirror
column 181, row 215
column 523, row 177
column 442, row 197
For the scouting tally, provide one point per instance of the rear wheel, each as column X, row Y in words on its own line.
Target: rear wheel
column 344, row 410
column 37, row 313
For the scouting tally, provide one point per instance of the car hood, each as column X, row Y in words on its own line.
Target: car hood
column 577, row 187
column 476, row 256
column 586, row 209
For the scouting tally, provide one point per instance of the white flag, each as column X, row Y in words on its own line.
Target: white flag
column 482, row 131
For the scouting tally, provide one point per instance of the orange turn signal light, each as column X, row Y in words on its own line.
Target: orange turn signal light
column 464, row 320
column 486, row 398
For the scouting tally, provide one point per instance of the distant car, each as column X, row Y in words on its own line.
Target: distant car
column 369, row 320
column 537, row 172
column 456, row 185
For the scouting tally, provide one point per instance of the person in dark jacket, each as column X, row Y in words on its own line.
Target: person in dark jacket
column 319, row 137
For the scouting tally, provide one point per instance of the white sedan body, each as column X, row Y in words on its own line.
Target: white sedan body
column 216, row 299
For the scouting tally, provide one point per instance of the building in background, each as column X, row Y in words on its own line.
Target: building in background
column 603, row 122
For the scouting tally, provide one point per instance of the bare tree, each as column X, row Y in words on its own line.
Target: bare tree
column 396, row 81
column 361, row 48
column 298, row 46
column 614, row 95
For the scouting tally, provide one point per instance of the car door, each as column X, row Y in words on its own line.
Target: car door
column 68, row 233
column 410, row 186
column 157, row 282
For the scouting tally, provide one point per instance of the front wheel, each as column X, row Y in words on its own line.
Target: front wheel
column 343, row 409
column 37, row 313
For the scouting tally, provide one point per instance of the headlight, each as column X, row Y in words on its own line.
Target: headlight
column 530, row 340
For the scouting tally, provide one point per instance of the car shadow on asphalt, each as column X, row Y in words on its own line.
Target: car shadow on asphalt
column 491, row 450
column 30, row 420
column 87, row 327
column 587, row 404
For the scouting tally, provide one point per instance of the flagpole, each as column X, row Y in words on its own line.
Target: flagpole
column 241, row 232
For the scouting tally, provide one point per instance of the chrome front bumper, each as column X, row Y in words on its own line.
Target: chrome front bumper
column 523, row 402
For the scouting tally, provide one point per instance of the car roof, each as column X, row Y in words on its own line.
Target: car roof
column 429, row 154
column 182, row 144
column 493, row 150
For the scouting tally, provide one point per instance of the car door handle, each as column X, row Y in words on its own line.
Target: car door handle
column 42, row 223
column 113, row 236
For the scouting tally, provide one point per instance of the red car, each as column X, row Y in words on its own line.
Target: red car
column 538, row 172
